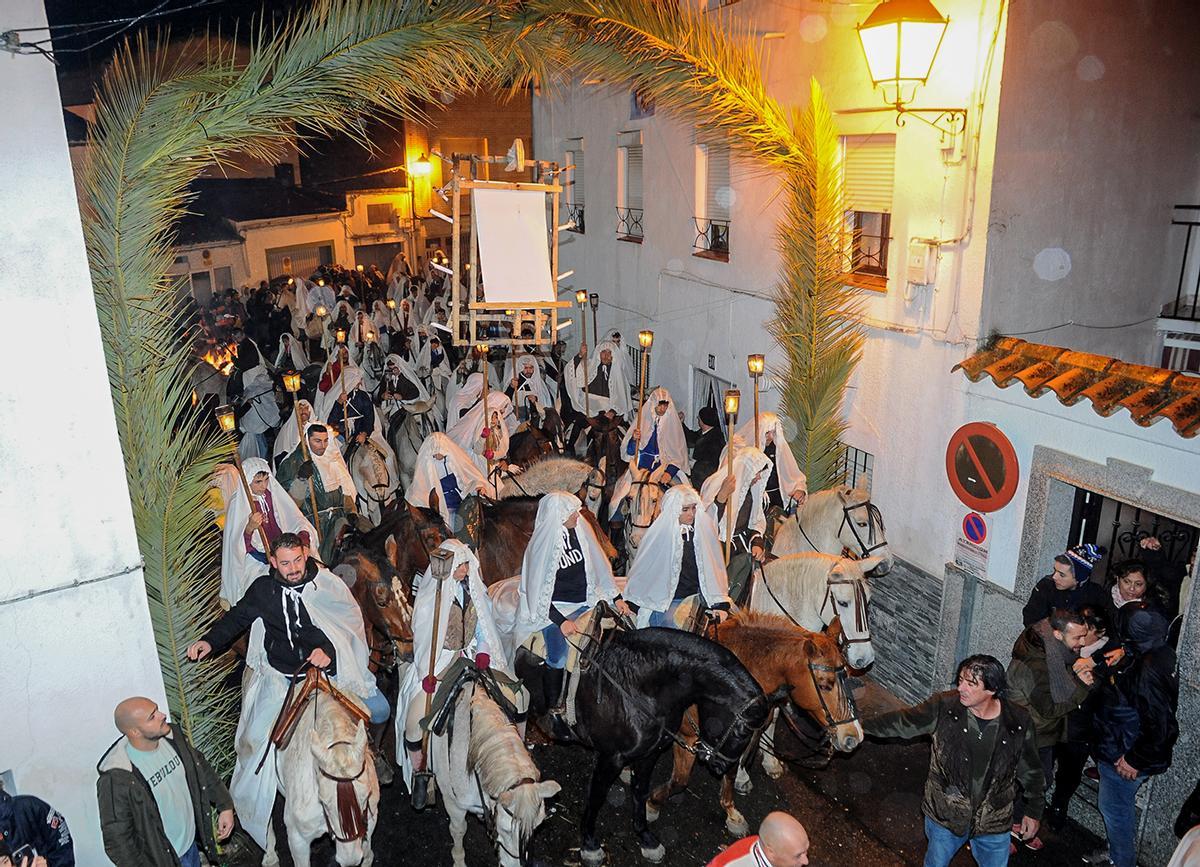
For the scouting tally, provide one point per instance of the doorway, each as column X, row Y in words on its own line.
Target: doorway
column 708, row 390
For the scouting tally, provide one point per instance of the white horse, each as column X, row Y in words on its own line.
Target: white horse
column 329, row 786
column 831, row 521
column 406, row 441
column 484, row 768
column 641, row 506
column 375, row 485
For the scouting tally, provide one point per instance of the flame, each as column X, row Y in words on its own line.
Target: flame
column 221, row 358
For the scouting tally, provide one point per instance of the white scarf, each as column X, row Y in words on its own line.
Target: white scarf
column 654, row 574
column 747, row 463
column 238, row 568
column 407, row 371
column 618, row 385
column 466, row 431
column 428, row 473
column 672, row 444
column 291, row 354
column 539, row 566
column 790, row 476
column 460, row 401
column 535, row 385
column 289, row 433
column 332, row 467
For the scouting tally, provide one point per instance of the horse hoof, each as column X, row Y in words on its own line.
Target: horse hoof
column 626, row 777
column 592, row 857
column 737, row 826
column 655, row 855
column 652, row 812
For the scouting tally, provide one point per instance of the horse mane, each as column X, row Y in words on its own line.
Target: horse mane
column 551, row 473
column 631, row 654
column 499, row 756
column 755, row 638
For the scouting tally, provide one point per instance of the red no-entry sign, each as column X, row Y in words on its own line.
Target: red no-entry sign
column 981, row 465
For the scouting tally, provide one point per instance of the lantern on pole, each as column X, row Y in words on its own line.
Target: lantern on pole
column 227, row 419
column 733, row 399
column 321, row 311
column 646, row 340
column 581, row 296
column 291, row 383
column 391, row 306
column 594, row 301
column 756, row 364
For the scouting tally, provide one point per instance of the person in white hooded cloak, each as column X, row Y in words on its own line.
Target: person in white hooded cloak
column 606, row 384
column 679, row 560
column 656, row 444
column 564, row 573
column 743, row 490
column 468, row 431
column 444, row 476
column 243, row 555
column 465, row 629
column 527, row 389
column 786, row 484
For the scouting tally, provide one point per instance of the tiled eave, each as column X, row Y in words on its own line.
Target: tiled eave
column 1109, row 384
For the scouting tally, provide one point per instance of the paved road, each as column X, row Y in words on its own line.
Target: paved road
column 861, row 811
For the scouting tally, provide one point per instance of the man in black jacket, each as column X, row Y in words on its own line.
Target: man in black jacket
column 155, row 792
column 983, row 745
column 1136, row 729
column 1069, row 586
column 707, row 444
column 28, row 820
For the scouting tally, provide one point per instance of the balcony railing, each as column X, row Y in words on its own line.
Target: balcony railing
column 1187, row 290
column 712, row 238
column 575, row 215
column 629, row 224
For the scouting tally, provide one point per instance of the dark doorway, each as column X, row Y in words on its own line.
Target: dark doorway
column 1120, row 528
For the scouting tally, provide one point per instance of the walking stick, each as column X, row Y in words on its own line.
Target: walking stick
column 228, row 421
column 489, row 436
column 441, row 562
column 291, row 382
column 732, row 399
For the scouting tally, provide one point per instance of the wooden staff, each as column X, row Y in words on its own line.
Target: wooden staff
column 441, row 562
column 312, row 491
column 490, row 437
column 732, row 398
column 228, row 421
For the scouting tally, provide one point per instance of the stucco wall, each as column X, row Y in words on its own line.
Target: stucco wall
column 267, row 235
column 221, row 255
column 904, row 403
column 1098, row 139
column 75, row 634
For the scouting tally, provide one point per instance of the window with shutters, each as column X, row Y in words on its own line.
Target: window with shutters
column 629, row 187
column 868, row 164
column 574, row 185
column 713, row 199
column 380, row 214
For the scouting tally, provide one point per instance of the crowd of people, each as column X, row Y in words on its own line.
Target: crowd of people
column 1092, row 676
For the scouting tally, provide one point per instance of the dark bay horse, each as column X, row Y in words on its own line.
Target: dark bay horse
column 792, row 665
column 630, row 703
column 536, row 441
column 604, row 452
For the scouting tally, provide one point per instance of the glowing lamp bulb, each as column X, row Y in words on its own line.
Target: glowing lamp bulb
column 321, row 311
column 733, row 399
column 391, row 303
column 581, row 296
column 291, row 381
column 226, row 418
column 755, row 364
column 646, row 339
column 340, row 334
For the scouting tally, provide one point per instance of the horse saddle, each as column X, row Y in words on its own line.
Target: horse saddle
column 601, row 622
column 297, row 700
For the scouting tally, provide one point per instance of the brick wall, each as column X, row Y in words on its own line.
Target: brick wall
column 905, row 609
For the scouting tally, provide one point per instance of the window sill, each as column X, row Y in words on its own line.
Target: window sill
column 711, row 254
column 633, row 239
column 870, row 282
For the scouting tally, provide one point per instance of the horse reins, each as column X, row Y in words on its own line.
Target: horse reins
column 874, row 517
column 862, row 623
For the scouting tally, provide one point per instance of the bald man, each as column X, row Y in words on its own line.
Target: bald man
column 155, row 792
column 781, row 841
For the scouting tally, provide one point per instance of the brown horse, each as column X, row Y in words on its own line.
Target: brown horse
column 805, row 668
column 604, row 452
column 533, row 442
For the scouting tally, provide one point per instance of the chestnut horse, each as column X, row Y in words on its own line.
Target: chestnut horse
column 789, row 663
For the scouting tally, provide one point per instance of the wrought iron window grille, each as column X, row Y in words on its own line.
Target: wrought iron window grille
column 712, row 237
column 629, row 224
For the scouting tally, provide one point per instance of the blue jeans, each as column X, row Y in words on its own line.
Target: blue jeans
column 377, row 705
column 667, row 618
column 190, row 858
column 1120, row 817
column 988, row 850
column 556, row 642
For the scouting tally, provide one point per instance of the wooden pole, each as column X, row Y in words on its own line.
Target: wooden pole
column 729, row 502
column 490, row 437
column 757, row 442
column 342, row 381
column 587, row 395
column 262, row 532
column 312, row 491
column 641, row 401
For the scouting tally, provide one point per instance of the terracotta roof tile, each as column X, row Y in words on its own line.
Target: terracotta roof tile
column 1146, row 393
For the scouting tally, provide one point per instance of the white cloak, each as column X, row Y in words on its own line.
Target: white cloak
column 747, row 462
column 672, row 444
column 535, row 386
column 427, row 475
column 466, row 431
column 618, row 386
column 332, row 467
column 654, row 574
column 790, row 476
column 289, row 433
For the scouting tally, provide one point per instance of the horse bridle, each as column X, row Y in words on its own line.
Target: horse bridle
column 862, row 623
column 347, row 799
column 874, row 517
column 489, row 821
column 634, row 497
column 840, row 672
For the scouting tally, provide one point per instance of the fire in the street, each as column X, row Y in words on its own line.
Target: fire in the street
column 221, row 357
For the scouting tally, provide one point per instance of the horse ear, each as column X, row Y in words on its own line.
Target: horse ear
column 547, row 789
column 834, row 629
column 390, row 547
column 810, row 646
column 845, row 494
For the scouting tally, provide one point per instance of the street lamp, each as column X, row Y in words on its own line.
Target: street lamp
column 646, row 339
column 733, row 399
column 227, row 419
column 418, row 168
column 900, row 40
column 756, row 364
column 581, row 296
column 421, row 167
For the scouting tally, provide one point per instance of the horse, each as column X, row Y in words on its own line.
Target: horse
column 640, row 508
column 792, row 665
column 604, row 452
column 535, row 442
column 405, row 536
column 386, row 602
column 375, row 485
column 812, row 589
column 832, row 521
column 630, row 703
column 329, row 786
column 406, row 438
column 483, row 767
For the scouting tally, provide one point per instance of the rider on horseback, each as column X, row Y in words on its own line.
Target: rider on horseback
column 678, row 564
column 564, row 574
column 444, row 476
column 332, row 486
column 744, row 488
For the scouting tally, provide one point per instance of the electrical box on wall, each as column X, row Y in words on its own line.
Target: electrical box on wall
column 922, row 262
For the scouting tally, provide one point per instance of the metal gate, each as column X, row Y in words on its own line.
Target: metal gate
column 302, row 259
column 1120, row 527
